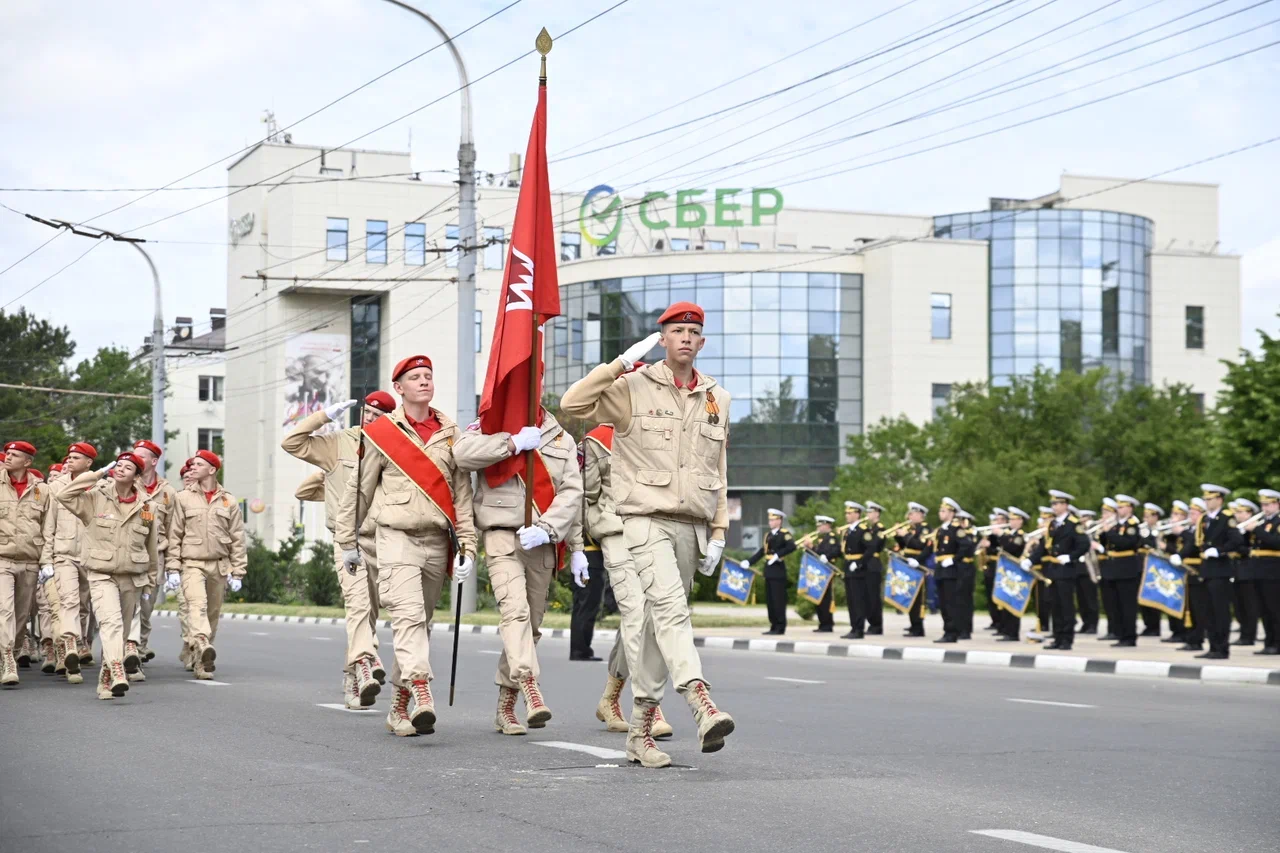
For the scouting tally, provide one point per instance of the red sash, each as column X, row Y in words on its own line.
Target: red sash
column 414, row 463
column 603, row 435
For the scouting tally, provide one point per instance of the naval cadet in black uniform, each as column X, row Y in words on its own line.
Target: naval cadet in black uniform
column 999, row 519
column 1011, row 541
column 778, row 543
column 966, row 577
column 1245, row 588
column 1122, row 571
column 862, row 545
column 826, row 544
column 949, row 545
column 1060, row 557
column 910, row 543
column 1216, row 537
column 1188, row 556
column 1265, row 554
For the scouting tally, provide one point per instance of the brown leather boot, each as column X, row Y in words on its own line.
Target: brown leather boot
column 608, row 709
column 642, row 749
column 505, row 720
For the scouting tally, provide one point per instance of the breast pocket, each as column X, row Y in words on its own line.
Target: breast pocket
column 710, row 440
column 657, row 434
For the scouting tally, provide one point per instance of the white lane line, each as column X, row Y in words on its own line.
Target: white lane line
column 1046, row 702
column 259, row 634
column 792, row 680
column 335, row 706
column 322, row 638
column 210, row 683
column 1046, row 842
column 598, row 752
column 488, row 652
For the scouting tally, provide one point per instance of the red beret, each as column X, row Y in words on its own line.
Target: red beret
column 682, row 312
column 210, row 457
column 84, row 448
column 382, row 401
column 55, row 467
column 129, row 456
column 23, row 446
column 35, row 472
column 148, row 445
column 186, row 466
column 410, row 363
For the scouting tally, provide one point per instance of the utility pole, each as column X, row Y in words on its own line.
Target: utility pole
column 466, row 354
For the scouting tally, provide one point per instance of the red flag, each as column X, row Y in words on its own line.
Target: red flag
column 530, row 296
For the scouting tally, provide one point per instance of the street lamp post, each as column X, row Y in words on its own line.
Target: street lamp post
column 466, row 356
column 157, row 357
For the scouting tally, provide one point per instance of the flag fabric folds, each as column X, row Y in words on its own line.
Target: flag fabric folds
column 901, row 584
column 815, row 577
column 1013, row 586
column 735, row 583
column 1164, row 586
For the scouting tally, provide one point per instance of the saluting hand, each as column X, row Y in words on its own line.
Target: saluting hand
column 337, row 409
column 638, row 350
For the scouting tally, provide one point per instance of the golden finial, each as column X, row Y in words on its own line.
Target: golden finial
column 543, row 45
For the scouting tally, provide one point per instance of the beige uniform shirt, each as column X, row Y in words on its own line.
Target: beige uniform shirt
column 206, row 531
column 393, row 499
column 503, row 507
column 334, row 453
column 602, row 516
column 67, row 541
column 669, row 443
column 312, row 488
column 119, row 538
column 26, row 522
column 165, row 497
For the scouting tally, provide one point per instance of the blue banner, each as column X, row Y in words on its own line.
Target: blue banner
column 815, row 577
column 735, row 583
column 901, row 583
column 1164, row 586
column 1013, row 586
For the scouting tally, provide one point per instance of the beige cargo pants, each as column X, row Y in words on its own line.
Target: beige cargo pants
column 48, row 607
column 17, row 585
column 115, row 598
column 632, row 610
column 204, row 586
column 412, row 570
column 360, row 599
column 520, row 581
column 73, row 598
column 665, row 553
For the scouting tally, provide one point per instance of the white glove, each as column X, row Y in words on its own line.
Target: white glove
column 578, row 564
column 46, row 572
column 773, row 558
column 1175, row 560
column 823, row 558
column 102, row 472
column 528, row 438
column 715, row 548
column 1209, row 553
column 463, row 566
column 351, row 559
column 947, row 562
column 532, row 537
column 234, row 583
column 336, row 410
column 852, row 565
column 637, row 351
column 1097, row 546
column 1064, row 559
column 911, row 561
column 146, row 596
column 743, row 564
column 172, row 581
column 1026, row 565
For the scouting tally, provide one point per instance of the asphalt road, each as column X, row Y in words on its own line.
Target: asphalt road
column 847, row 755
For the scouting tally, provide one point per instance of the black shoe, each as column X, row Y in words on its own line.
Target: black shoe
column 1005, row 638
column 875, row 632
column 1150, row 632
column 1104, row 637
column 992, row 627
column 1091, row 629
column 1190, row 647
column 1242, row 642
column 772, row 633
column 585, row 657
column 1174, row 639
column 1125, row 644
column 852, row 635
column 821, row 630
column 946, row 638
column 1268, row 650
column 965, row 637
column 1213, row 656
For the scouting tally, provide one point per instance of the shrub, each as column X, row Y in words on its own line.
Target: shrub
column 319, row 576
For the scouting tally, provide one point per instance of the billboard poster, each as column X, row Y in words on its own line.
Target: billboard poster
column 315, row 369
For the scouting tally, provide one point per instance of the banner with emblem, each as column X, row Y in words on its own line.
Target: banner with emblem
column 902, row 584
column 1013, row 586
column 735, row 583
column 1164, row 586
column 815, row 577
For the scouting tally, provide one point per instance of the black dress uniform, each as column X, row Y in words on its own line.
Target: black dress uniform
column 1245, row 592
column 778, row 543
column 951, row 542
column 827, row 545
column 966, row 581
column 1197, row 592
column 1121, row 576
column 1218, row 531
column 586, row 603
column 1169, row 544
column 1013, row 543
column 864, row 574
column 911, row 543
column 1066, row 538
column 1265, row 554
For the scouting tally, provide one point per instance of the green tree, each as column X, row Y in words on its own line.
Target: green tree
column 1248, row 418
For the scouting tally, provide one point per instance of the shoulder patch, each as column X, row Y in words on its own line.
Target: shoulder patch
column 1231, row 522
column 1079, row 528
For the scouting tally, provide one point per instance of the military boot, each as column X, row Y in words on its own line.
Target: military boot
column 350, row 695
column 85, row 651
column 608, row 711
column 132, row 660
column 60, row 657
column 536, row 712
column 505, row 720
column 642, row 749
column 104, row 684
column 147, row 654
column 661, row 728
column 133, row 677
column 8, row 668
column 203, row 653
column 119, row 683
column 714, row 725
column 379, row 671
column 367, row 686
column 23, row 653
column 398, row 722
column 70, row 658
column 48, row 658
column 423, row 716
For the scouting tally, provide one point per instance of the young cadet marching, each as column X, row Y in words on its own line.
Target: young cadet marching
column 206, row 556
column 1060, row 552
column 63, row 561
column 911, row 543
column 778, row 543
column 523, row 560
column 668, row 477
column 826, row 544
column 26, row 522
column 164, row 497
column 120, row 539
column 862, row 546
column 635, row 625
column 409, row 471
column 336, row 455
column 1265, row 553
column 1121, row 571
column 949, row 545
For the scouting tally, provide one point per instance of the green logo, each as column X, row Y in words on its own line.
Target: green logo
column 600, row 216
column 596, row 212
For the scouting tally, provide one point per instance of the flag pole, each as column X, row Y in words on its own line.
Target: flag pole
column 543, row 45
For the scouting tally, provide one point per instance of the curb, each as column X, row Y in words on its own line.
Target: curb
column 1052, row 663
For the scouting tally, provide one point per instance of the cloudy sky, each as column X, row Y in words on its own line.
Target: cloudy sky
column 136, row 94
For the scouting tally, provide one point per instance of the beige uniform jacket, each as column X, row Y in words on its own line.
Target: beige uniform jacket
column 602, row 516
column 393, row 499
column 165, row 498
column 119, row 538
column 67, row 541
column 503, row 507
column 334, row 453
column 206, row 531
column 26, row 522
column 312, row 488
column 669, row 443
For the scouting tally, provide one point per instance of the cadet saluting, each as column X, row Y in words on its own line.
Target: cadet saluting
column 26, row 521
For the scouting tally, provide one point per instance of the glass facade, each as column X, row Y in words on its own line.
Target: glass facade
column 786, row 346
column 366, row 336
column 1069, row 289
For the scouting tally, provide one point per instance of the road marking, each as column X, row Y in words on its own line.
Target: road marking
column 1046, row 842
column 210, row 683
column 792, row 680
column 488, row 652
column 1045, row 702
column 322, row 638
column 259, row 634
column 337, row 707
column 598, row 752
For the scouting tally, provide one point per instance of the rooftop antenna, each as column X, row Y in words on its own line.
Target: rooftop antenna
column 273, row 130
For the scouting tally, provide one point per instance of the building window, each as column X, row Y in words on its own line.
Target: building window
column 415, row 244
column 211, row 389
column 335, row 239
column 610, row 248
column 786, row 247
column 1197, row 400
column 479, row 330
column 940, row 316
column 375, row 241
column 495, row 248
column 1195, row 327
column 748, row 247
column 366, row 337
column 559, row 335
column 209, row 439
column 715, row 245
column 450, row 243
column 941, row 398
column 679, row 244
column 575, row 339
column 570, row 246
